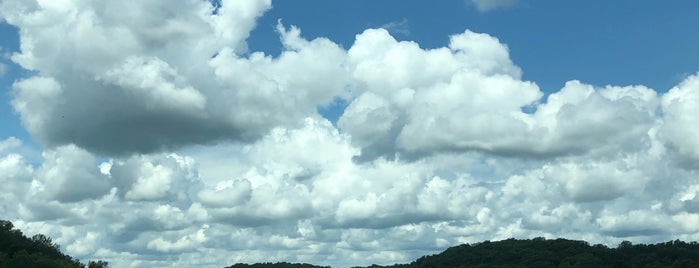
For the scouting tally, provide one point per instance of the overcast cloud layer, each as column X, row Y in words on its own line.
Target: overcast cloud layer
column 169, row 143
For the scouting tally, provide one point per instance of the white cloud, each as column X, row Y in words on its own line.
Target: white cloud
column 9, row 144
column 15, row 176
column 155, row 177
column 70, row 174
column 400, row 27
column 469, row 96
column 301, row 197
column 679, row 106
column 3, row 69
column 488, row 5
column 174, row 76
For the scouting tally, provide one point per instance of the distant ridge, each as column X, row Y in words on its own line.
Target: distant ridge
column 276, row 265
column 541, row 252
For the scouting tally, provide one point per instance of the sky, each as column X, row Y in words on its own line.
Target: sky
column 206, row 133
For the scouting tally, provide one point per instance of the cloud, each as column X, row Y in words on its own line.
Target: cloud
column 397, row 27
column 297, row 195
column 70, row 174
column 402, row 98
column 158, row 177
column 469, row 97
column 15, row 175
column 3, row 69
column 488, row 5
column 678, row 106
column 140, row 93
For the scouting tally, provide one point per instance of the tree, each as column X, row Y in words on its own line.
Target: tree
column 44, row 241
column 98, row 264
column 625, row 244
column 39, row 251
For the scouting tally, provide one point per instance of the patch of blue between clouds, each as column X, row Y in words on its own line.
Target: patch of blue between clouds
column 334, row 110
column 216, row 4
column 9, row 120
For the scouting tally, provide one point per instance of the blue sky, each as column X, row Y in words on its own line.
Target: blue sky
column 367, row 132
column 9, row 120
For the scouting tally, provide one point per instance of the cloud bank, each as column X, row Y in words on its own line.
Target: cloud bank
column 169, row 143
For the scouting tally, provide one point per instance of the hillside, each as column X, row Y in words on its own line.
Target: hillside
column 540, row 252
column 17, row 250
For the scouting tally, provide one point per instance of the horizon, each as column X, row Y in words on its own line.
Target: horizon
column 207, row 133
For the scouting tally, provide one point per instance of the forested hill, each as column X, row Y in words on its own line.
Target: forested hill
column 17, row 250
column 276, row 265
column 540, row 252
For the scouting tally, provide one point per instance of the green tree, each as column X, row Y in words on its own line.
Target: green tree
column 98, row 264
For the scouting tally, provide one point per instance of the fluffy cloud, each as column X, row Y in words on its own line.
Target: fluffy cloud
column 297, row 191
column 436, row 147
column 70, row 174
column 679, row 129
column 162, row 177
column 469, row 96
column 15, row 176
column 93, row 63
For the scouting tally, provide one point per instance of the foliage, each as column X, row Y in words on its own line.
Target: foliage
column 17, row 250
column 539, row 252
column 276, row 265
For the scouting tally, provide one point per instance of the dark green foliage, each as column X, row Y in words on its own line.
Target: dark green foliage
column 276, row 265
column 39, row 251
column 539, row 252
column 98, row 264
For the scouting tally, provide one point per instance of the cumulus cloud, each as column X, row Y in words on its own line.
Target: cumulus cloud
column 469, row 96
column 679, row 130
column 70, row 174
column 119, row 82
column 159, row 177
column 15, row 176
column 298, row 192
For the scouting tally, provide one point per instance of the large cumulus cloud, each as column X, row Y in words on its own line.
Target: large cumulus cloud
column 298, row 195
column 680, row 129
column 470, row 96
column 118, row 78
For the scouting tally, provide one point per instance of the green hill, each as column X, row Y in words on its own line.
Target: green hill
column 540, row 252
column 17, row 250
column 276, row 265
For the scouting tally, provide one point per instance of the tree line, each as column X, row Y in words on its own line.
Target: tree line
column 541, row 252
column 38, row 251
